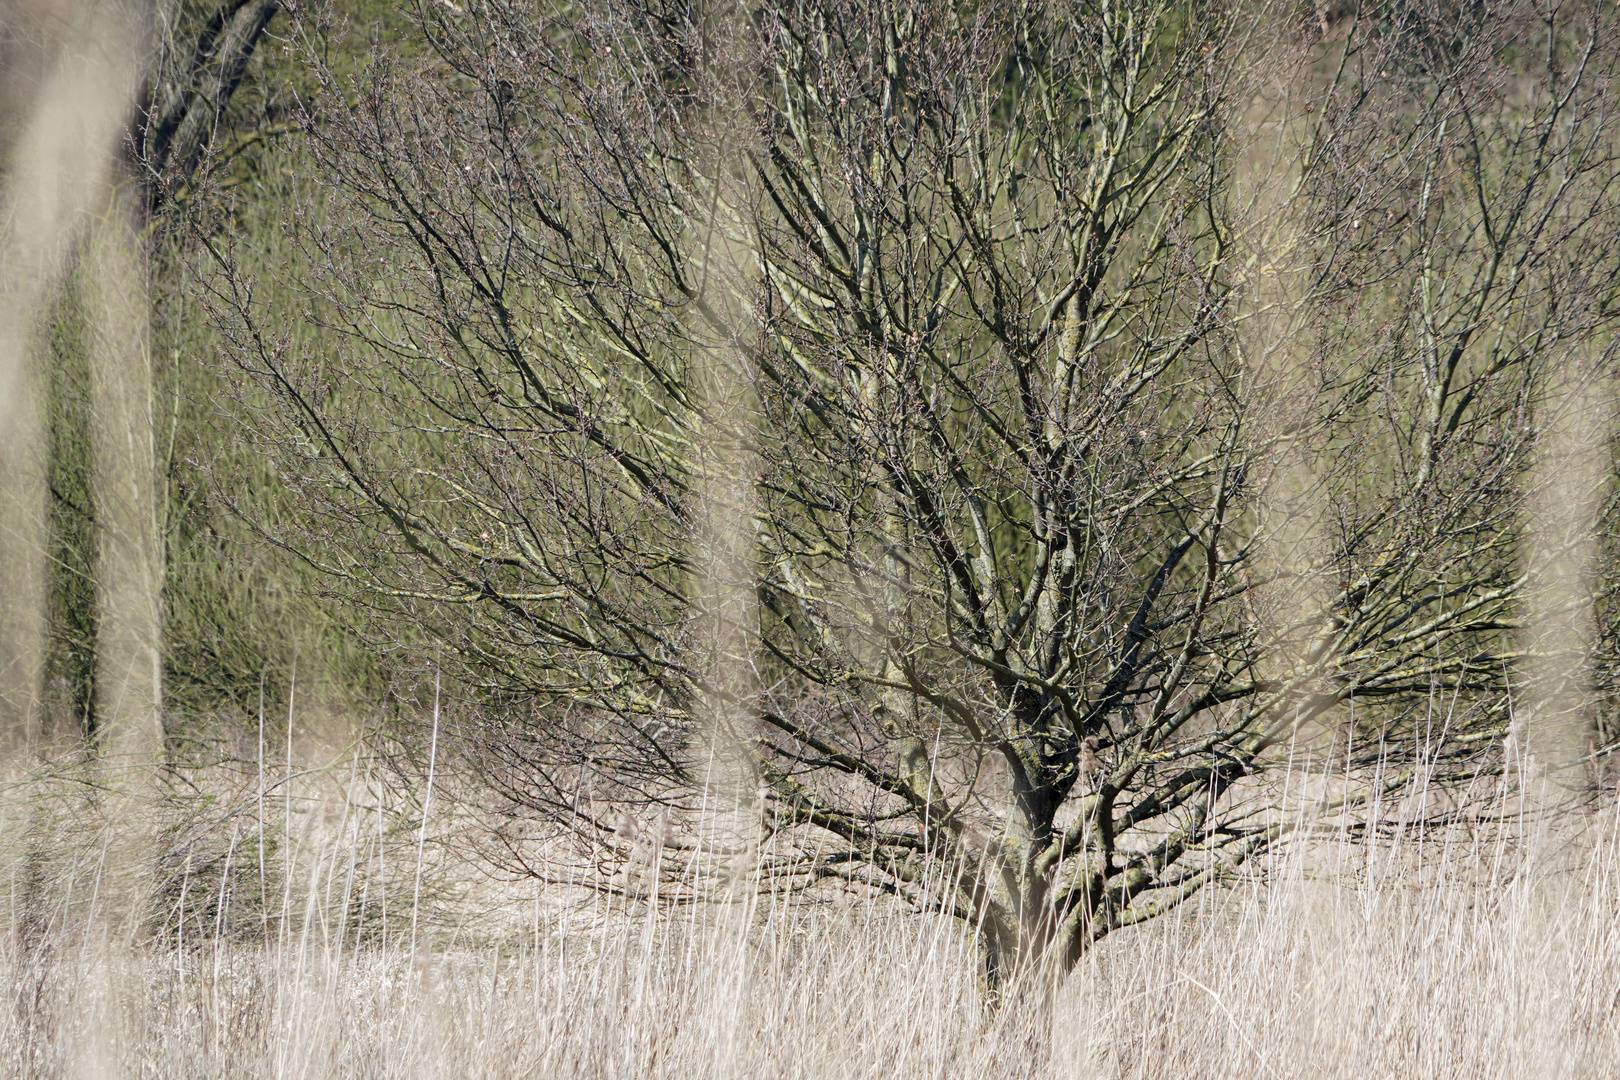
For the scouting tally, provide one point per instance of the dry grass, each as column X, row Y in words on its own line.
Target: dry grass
column 1390, row 961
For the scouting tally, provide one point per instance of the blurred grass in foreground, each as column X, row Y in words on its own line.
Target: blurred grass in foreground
column 209, row 930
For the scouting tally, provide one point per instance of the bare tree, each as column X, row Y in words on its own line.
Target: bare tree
column 1002, row 440
column 203, row 59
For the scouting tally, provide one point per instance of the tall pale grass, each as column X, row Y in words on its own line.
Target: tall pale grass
column 1495, row 956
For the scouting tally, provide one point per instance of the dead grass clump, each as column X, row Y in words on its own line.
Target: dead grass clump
column 1392, row 959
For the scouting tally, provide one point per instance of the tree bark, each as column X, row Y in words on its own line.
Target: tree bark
column 186, row 112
